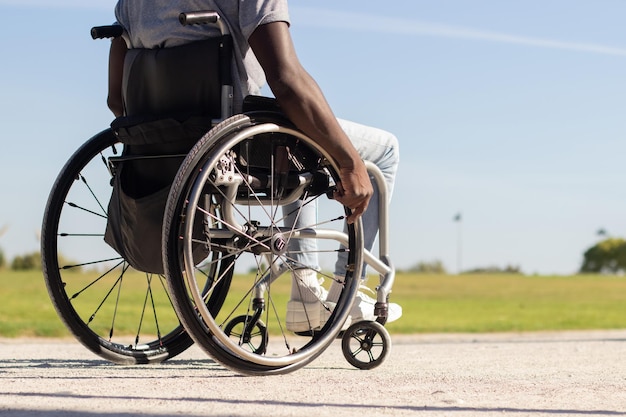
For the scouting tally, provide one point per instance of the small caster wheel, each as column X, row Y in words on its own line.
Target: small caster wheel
column 248, row 334
column 365, row 344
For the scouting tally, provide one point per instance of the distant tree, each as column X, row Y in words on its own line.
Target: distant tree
column 3, row 259
column 607, row 256
column 620, row 255
column 432, row 267
column 26, row 262
column 509, row 269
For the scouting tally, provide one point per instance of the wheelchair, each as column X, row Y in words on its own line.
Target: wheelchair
column 218, row 269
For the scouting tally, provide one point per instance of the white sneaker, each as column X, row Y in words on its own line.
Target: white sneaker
column 304, row 317
column 363, row 309
column 310, row 285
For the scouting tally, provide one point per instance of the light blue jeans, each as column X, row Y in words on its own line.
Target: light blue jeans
column 374, row 145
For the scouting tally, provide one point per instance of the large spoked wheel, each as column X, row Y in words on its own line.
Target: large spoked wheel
column 366, row 344
column 269, row 184
column 120, row 314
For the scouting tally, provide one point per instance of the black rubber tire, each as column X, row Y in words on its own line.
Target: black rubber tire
column 79, row 300
column 366, row 344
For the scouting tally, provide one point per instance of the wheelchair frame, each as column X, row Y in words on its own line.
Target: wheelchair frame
column 197, row 298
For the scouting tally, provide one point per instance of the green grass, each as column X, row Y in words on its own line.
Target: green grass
column 505, row 303
column 25, row 309
column 431, row 303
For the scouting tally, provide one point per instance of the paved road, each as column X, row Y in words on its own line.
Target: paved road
column 539, row 374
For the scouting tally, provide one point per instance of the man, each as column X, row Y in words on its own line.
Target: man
column 263, row 50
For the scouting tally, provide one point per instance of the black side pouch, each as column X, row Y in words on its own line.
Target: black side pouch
column 141, row 185
column 134, row 227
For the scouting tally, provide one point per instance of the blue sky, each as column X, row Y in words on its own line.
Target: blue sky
column 511, row 113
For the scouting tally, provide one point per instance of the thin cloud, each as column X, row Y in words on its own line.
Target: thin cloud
column 61, row 4
column 370, row 23
column 407, row 27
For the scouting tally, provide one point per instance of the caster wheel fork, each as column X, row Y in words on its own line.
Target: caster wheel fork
column 248, row 332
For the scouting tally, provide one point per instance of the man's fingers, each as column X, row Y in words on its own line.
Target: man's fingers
column 356, row 198
column 356, row 213
column 357, row 208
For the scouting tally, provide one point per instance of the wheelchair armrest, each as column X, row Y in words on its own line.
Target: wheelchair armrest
column 260, row 103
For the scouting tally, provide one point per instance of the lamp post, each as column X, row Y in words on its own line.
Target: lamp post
column 459, row 242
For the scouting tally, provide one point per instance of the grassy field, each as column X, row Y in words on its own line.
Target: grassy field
column 505, row 303
column 431, row 303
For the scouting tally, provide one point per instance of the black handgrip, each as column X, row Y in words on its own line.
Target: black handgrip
column 198, row 18
column 111, row 31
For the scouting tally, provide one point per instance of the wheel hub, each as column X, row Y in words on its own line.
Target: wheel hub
column 279, row 244
column 366, row 345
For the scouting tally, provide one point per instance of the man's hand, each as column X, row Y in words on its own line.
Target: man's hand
column 354, row 191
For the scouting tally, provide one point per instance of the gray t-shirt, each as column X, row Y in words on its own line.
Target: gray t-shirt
column 154, row 24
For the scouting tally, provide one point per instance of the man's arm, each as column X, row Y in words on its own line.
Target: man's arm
column 117, row 54
column 303, row 102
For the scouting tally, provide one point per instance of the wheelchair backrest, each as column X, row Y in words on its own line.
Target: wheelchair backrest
column 179, row 82
column 171, row 96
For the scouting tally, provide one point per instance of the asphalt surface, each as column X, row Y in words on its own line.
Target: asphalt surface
column 536, row 374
